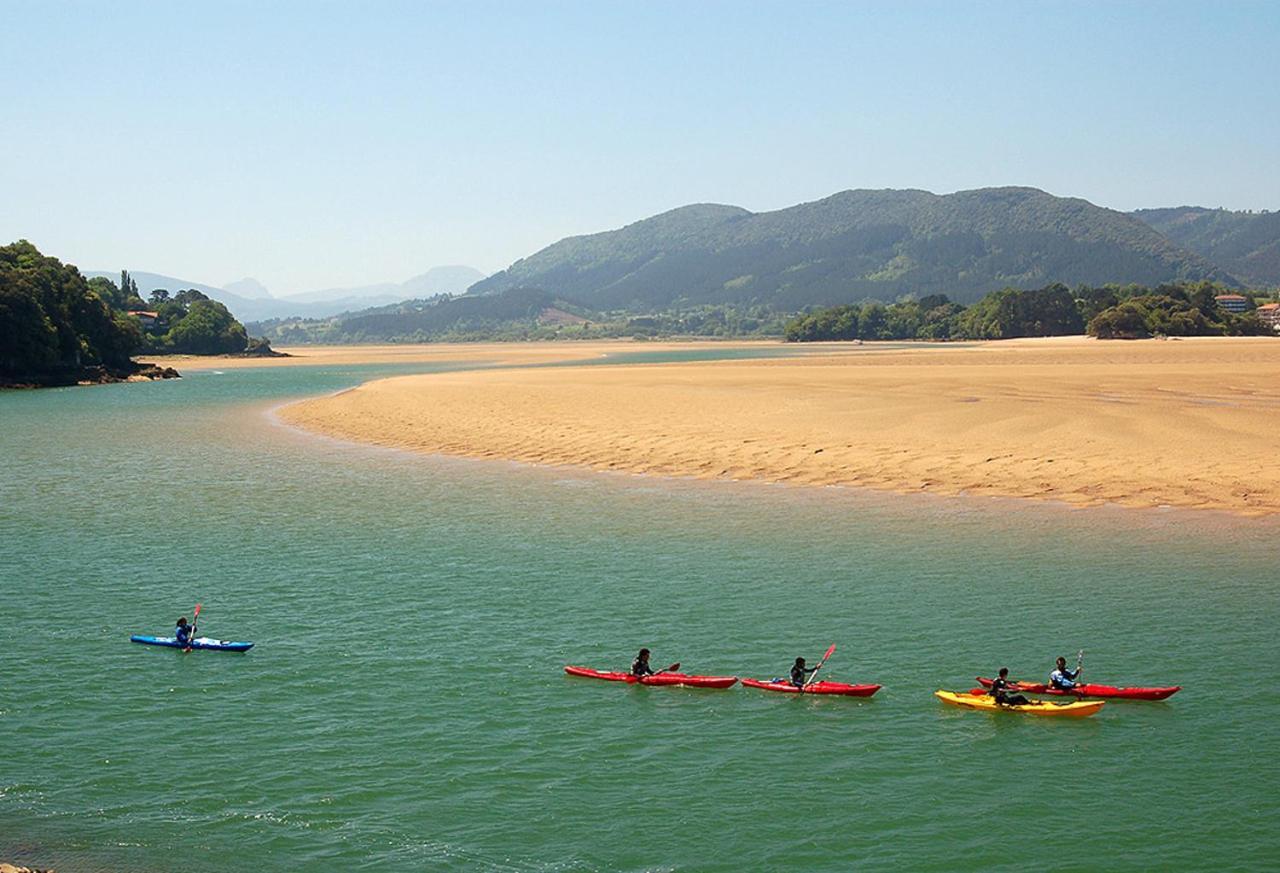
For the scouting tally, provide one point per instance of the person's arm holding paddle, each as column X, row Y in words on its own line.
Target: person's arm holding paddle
column 187, row 633
column 640, row 667
column 814, row 674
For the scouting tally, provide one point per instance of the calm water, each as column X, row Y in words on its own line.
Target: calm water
column 404, row 708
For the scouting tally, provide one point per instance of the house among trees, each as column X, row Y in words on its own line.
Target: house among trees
column 1269, row 314
column 148, row 319
column 1233, row 302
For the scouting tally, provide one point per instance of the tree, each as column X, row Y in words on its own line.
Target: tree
column 28, row 341
column 873, row 321
column 1124, row 321
column 208, row 328
column 107, row 291
column 52, row 318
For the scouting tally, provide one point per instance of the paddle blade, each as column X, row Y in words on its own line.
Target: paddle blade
column 674, row 667
column 829, row 652
column 197, row 612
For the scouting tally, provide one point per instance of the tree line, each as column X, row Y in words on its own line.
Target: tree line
column 1106, row 312
column 55, row 322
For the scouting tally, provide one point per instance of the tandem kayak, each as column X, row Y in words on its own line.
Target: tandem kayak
column 197, row 643
column 657, row 679
column 1087, row 690
column 821, row 687
column 1076, row 709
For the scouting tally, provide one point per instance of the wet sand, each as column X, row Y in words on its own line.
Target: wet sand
column 1190, row 423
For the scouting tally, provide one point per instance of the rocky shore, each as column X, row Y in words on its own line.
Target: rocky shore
column 10, row 868
column 89, row 376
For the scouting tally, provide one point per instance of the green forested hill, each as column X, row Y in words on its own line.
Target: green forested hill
column 54, row 326
column 851, row 246
column 1245, row 244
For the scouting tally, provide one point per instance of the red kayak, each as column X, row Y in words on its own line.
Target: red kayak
column 1087, row 690
column 821, row 687
column 656, row 679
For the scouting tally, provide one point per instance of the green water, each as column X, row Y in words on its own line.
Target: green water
column 405, row 709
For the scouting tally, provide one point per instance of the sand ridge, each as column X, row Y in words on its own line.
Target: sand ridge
column 1192, row 423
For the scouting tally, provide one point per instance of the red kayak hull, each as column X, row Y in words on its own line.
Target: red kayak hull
column 659, row 679
column 1099, row 691
column 816, row 688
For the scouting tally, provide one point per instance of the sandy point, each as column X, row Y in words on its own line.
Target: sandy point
column 1189, row 423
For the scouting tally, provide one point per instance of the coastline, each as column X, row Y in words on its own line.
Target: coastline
column 499, row 353
column 1151, row 423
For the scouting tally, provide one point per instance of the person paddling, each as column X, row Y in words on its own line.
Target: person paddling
column 640, row 666
column 799, row 673
column 1001, row 690
column 1062, row 678
column 184, row 633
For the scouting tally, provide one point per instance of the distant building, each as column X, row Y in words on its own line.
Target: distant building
column 1269, row 313
column 1232, row 302
column 148, row 319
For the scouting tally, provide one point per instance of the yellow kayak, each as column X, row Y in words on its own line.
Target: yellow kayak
column 1075, row 709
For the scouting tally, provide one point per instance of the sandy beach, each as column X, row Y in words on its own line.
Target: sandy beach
column 502, row 353
column 1189, row 423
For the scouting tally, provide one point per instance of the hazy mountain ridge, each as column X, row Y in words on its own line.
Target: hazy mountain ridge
column 452, row 279
column 257, row 304
column 249, row 288
column 855, row 245
column 1246, row 244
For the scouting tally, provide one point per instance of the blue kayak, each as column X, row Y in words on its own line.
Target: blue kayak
column 197, row 643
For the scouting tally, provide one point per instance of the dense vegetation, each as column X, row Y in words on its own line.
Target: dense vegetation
column 1245, row 244
column 1181, row 309
column 190, row 323
column 58, row 327
column 1107, row 312
column 518, row 314
column 52, row 323
column 853, row 246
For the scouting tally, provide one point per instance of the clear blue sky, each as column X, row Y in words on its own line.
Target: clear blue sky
column 319, row 144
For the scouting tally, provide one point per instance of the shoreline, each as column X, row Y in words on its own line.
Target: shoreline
column 1136, row 424
column 496, row 353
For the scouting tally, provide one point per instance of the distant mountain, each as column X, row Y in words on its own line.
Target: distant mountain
column 249, row 300
column 852, row 246
column 452, row 279
column 242, row 308
column 148, row 282
column 249, row 288
column 437, row 280
column 1245, row 244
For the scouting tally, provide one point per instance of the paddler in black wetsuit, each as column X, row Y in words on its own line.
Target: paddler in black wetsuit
column 798, row 673
column 1000, row 690
column 184, row 633
column 640, row 666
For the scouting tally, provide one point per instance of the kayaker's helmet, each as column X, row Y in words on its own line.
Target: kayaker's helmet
column 644, row 653
column 1004, row 671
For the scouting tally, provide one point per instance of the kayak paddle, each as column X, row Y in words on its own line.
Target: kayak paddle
column 1079, row 662
column 195, row 617
column 814, row 675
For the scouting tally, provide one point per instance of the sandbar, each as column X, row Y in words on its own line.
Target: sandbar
column 1185, row 423
column 398, row 353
